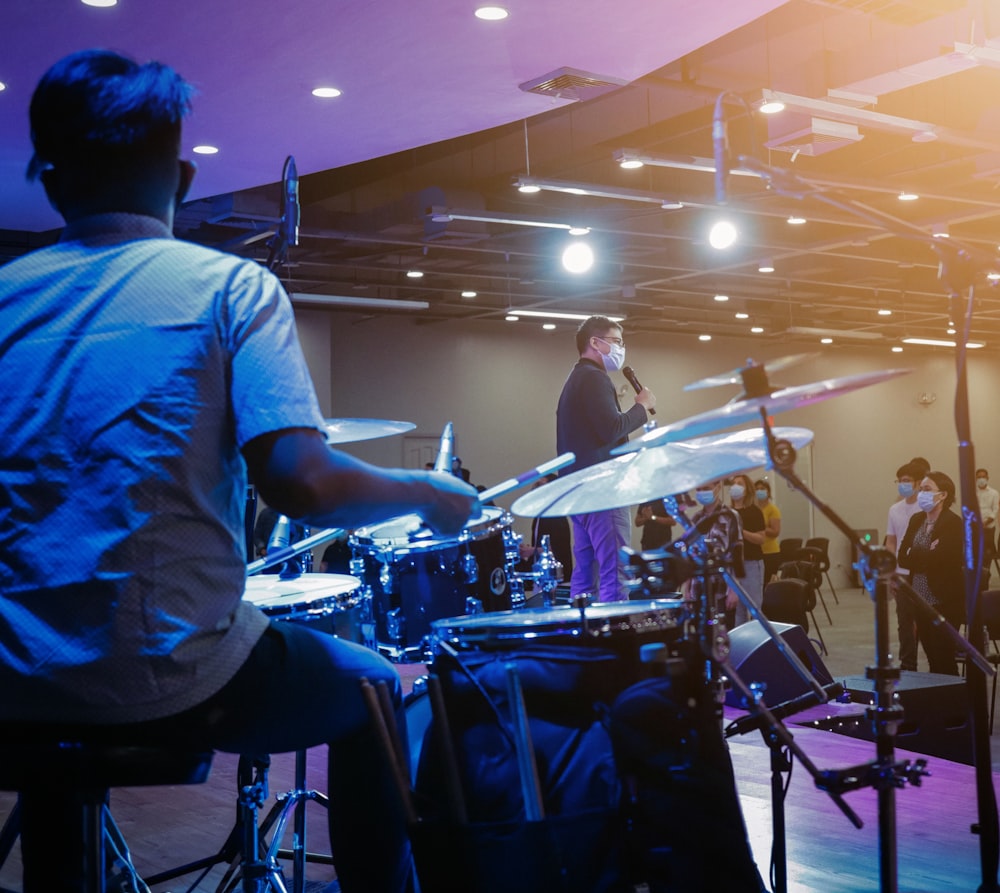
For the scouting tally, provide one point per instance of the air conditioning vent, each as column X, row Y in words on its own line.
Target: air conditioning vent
column 571, row 83
column 817, row 137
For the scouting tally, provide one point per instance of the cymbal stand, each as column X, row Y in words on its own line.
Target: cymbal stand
column 885, row 773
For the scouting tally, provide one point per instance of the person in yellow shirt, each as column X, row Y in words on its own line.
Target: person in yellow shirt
column 772, row 530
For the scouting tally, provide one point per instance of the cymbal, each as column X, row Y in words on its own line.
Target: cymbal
column 646, row 475
column 353, row 430
column 742, row 412
column 736, row 376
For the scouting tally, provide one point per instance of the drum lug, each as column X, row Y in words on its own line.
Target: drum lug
column 387, row 579
column 357, row 567
column 395, row 624
column 512, row 546
column 470, row 567
column 473, row 605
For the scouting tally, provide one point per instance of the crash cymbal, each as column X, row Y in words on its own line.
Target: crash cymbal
column 651, row 474
column 353, row 430
column 742, row 412
column 738, row 376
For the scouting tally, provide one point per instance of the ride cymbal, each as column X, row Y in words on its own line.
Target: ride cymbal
column 353, row 430
column 650, row 474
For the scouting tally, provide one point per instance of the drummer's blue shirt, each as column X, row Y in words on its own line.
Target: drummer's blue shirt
column 133, row 368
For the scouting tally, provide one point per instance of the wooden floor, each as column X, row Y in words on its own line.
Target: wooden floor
column 166, row 827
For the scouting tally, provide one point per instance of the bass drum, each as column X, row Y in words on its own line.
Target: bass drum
column 416, row 578
column 636, row 785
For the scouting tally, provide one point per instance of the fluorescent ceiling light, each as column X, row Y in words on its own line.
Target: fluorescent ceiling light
column 558, row 314
column 596, row 190
column 839, row 112
column 940, row 342
column 354, row 301
column 833, row 333
column 446, row 215
column 678, row 162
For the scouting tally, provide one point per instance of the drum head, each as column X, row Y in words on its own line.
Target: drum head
column 303, row 594
column 408, row 531
column 504, row 628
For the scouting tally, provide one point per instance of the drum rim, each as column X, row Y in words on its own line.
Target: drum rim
column 482, row 528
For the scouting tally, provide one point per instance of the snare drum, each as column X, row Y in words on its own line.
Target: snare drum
column 416, row 578
column 332, row 601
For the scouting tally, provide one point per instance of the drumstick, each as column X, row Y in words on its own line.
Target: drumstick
column 527, row 477
column 531, row 788
column 451, row 776
column 389, row 713
column 281, row 555
column 399, row 775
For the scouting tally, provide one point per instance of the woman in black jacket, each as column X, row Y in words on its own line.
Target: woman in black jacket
column 932, row 550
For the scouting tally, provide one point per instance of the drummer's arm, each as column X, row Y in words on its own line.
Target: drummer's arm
column 297, row 473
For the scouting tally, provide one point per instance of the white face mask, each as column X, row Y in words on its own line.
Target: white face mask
column 736, row 492
column 614, row 359
column 982, row 482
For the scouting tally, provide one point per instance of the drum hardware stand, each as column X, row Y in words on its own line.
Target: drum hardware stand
column 960, row 268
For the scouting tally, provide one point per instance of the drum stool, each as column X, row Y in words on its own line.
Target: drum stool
column 46, row 765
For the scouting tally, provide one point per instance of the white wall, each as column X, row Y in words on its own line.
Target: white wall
column 499, row 383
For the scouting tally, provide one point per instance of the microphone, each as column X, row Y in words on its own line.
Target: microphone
column 629, row 374
column 720, row 147
column 446, row 450
column 291, row 215
column 281, row 534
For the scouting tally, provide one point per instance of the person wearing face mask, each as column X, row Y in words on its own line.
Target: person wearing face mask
column 726, row 536
column 772, row 529
column 900, row 512
column 589, row 423
column 931, row 550
column 989, row 504
column 741, row 497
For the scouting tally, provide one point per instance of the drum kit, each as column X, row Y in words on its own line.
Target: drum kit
column 598, row 725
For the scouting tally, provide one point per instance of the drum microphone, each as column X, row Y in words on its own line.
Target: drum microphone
column 629, row 374
column 446, row 450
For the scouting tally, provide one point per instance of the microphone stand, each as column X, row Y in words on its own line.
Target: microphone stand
column 960, row 267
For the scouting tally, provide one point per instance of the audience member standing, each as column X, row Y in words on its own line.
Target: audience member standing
column 900, row 512
column 741, row 496
column 989, row 504
column 772, row 530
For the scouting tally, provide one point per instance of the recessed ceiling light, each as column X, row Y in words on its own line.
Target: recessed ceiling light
column 771, row 107
column 993, row 277
column 796, row 221
column 548, row 326
column 579, row 230
column 757, row 330
column 950, row 331
column 100, row 3
column 907, row 196
column 414, row 274
column 3, row 86
column 742, row 315
column 491, row 13
column 826, row 341
column 529, row 188
column 884, row 311
column 722, row 298
column 326, row 92
column 704, row 337
column 577, row 257
column 206, row 150
column 765, row 266
column 722, row 235
column 468, row 294
column 897, row 349
column 630, row 164
column 510, row 317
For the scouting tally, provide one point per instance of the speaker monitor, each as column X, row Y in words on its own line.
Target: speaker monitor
column 755, row 658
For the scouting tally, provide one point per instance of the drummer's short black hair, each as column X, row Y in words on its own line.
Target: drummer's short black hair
column 594, row 325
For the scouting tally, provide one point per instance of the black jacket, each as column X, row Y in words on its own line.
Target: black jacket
column 942, row 564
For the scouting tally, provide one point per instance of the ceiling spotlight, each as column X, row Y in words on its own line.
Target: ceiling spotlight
column 766, row 266
column 469, row 294
column 993, row 276
column 548, row 326
column 884, row 311
column 510, row 317
column 579, row 230
column 491, row 13
column 742, row 315
column 722, row 298
column 577, row 257
column 326, row 92
column 205, row 150
column 757, row 330
column 704, row 337
column 897, row 349
column 771, row 107
column 949, row 331
column 940, row 231
column 796, row 221
column 100, row 3
column 826, row 341
column 907, row 196
column 722, row 235
column 528, row 188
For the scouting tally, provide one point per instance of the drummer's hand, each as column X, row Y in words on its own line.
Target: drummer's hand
column 452, row 502
column 731, row 600
column 647, row 398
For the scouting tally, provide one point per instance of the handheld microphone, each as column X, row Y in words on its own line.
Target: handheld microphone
column 629, row 374
column 446, row 450
column 291, row 216
column 720, row 147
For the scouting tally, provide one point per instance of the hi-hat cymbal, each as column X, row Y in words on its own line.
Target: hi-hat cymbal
column 353, row 430
column 651, row 474
column 737, row 376
column 742, row 412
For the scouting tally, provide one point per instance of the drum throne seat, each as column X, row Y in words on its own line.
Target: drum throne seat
column 63, row 777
